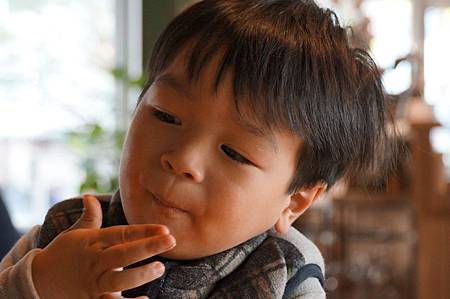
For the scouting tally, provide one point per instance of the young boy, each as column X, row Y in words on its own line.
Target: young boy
column 252, row 109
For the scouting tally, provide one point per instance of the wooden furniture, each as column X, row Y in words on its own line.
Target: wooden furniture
column 368, row 240
column 431, row 196
column 377, row 245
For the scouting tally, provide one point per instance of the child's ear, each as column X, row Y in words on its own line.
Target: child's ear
column 300, row 201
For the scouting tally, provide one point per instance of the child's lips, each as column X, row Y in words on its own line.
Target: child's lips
column 160, row 201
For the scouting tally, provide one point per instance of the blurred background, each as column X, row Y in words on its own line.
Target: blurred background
column 70, row 75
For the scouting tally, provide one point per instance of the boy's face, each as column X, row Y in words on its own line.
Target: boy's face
column 191, row 163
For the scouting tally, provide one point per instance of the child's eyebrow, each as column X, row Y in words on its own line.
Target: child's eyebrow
column 258, row 132
column 172, row 82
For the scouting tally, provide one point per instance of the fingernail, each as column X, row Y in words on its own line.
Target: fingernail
column 172, row 241
column 164, row 230
column 87, row 196
column 159, row 268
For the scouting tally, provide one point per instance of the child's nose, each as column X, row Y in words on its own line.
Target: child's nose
column 182, row 164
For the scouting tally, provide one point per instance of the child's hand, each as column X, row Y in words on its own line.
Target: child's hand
column 85, row 261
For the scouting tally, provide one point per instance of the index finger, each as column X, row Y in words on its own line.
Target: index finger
column 126, row 233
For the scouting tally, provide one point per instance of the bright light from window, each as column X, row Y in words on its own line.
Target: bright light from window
column 56, row 58
column 437, row 84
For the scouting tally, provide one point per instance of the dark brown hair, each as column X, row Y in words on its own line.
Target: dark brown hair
column 293, row 66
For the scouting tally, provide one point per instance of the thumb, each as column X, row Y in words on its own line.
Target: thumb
column 92, row 214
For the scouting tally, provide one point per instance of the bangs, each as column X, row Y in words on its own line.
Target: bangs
column 264, row 68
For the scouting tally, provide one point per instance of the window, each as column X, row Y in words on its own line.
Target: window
column 56, row 58
column 437, row 85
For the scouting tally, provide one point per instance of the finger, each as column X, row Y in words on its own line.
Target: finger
column 115, row 281
column 126, row 254
column 118, row 295
column 92, row 214
column 119, row 234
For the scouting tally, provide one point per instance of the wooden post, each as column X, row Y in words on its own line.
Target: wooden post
column 431, row 197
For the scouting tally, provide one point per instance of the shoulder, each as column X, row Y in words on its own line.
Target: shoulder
column 26, row 243
column 67, row 212
column 71, row 209
column 63, row 215
column 305, row 246
column 307, row 278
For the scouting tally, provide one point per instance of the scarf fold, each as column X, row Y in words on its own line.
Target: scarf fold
column 258, row 268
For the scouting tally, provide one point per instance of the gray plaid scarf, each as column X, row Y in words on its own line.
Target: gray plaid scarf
column 265, row 266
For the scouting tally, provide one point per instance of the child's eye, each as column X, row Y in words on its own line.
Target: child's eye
column 166, row 117
column 234, row 155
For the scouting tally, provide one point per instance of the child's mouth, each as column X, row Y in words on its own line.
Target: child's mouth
column 164, row 204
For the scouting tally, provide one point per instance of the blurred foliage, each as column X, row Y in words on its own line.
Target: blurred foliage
column 100, row 148
column 121, row 75
column 99, row 151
